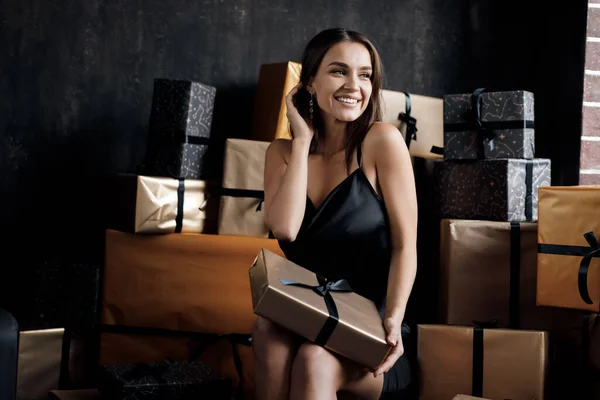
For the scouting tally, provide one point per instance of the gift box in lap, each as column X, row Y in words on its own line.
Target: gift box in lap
column 492, row 363
column 419, row 118
column 242, row 194
column 326, row 313
column 148, row 204
column 493, row 190
column 274, row 83
column 163, row 380
column 568, row 247
column 160, row 291
column 488, row 272
column 489, row 125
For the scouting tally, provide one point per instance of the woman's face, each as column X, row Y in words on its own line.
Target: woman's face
column 342, row 85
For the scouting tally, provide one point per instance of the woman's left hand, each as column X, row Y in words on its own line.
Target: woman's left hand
column 393, row 329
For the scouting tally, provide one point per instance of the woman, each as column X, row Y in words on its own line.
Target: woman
column 340, row 198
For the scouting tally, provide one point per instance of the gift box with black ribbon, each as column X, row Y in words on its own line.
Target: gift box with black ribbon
column 482, row 361
column 569, row 248
column 242, row 192
column 488, row 272
column 489, row 124
column 149, row 204
column 419, row 118
column 179, row 130
column 327, row 313
column 165, row 380
column 493, row 190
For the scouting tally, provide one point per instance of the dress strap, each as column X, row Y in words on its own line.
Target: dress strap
column 359, row 155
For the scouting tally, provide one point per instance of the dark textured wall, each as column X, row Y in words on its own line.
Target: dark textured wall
column 76, row 86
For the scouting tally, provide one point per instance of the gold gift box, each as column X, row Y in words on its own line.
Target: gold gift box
column 566, row 214
column 39, row 365
column 152, row 204
column 478, row 259
column 287, row 294
column 242, row 195
column 504, row 363
column 429, row 115
column 275, row 81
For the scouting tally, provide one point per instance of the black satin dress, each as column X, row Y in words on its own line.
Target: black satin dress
column 348, row 237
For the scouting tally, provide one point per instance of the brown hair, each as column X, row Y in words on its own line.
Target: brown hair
column 311, row 60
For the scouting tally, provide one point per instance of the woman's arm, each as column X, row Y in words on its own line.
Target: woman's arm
column 396, row 179
column 285, row 186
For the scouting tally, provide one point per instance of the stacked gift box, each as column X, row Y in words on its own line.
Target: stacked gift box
column 176, row 303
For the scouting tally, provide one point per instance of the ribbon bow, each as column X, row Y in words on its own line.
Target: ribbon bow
column 484, row 132
column 585, row 265
column 324, row 289
column 411, row 126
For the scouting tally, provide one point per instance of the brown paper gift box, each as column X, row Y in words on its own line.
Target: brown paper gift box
column 503, row 363
column 429, row 115
column 488, row 272
column 40, row 359
column 275, row 81
column 358, row 335
column 566, row 214
column 242, row 195
column 151, row 204
column 176, row 283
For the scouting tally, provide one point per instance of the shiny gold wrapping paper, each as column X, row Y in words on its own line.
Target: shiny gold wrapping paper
column 274, row 83
column 241, row 214
column 514, row 362
column 148, row 204
column 565, row 215
column 178, row 282
column 359, row 334
column 476, row 273
column 429, row 113
column 40, row 358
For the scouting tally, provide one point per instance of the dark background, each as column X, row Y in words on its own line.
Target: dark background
column 76, row 87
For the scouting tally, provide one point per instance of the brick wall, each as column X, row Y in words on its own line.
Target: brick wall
column 589, row 173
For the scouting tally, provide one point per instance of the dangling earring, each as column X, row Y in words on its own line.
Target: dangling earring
column 310, row 105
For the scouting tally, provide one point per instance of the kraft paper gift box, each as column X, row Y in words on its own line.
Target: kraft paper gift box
column 150, row 204
column 419, row 118
column 40, row 361
column 494, row 190
column 326, row 313
column 488, row 272
column 489, row 125
column 242, row 194
column 492, row 363
column 275, row 81
column 163, row 380
column 568, row 248
column 160, row 291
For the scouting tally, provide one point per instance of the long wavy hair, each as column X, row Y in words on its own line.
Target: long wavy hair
column 311, row 60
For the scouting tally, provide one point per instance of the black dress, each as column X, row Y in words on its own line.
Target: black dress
column 348, row 236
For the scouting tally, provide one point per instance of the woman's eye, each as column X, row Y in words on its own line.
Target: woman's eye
column 366, row 76
column 338, row 71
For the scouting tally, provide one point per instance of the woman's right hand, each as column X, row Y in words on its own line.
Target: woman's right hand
column 302, row 129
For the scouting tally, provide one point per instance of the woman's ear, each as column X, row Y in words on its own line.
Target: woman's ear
column 310, row 88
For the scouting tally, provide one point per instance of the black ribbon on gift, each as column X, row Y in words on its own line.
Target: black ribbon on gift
column 256, row 194
column 515, row 276
column 477, row 382
column 587, row 253
column 410, row 121
column 324, row 289
column 201, row 340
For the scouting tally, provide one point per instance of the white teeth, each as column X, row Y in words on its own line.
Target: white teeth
column 347, row 100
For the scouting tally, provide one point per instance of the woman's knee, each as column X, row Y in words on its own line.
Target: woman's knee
column 313, row 362
column 266, row 336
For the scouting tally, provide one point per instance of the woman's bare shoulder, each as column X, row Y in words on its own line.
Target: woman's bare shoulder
column 280, row 148
column 383, row 134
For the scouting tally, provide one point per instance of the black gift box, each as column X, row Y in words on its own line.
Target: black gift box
column 177, row 160
column 489, row 125
column 181, row 108
column 165, row 380
column 493, row 190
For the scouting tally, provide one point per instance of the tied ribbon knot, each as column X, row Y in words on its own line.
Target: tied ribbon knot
column 584, row 266
column 324, row 289
column 483, row 132
column 411, row 126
